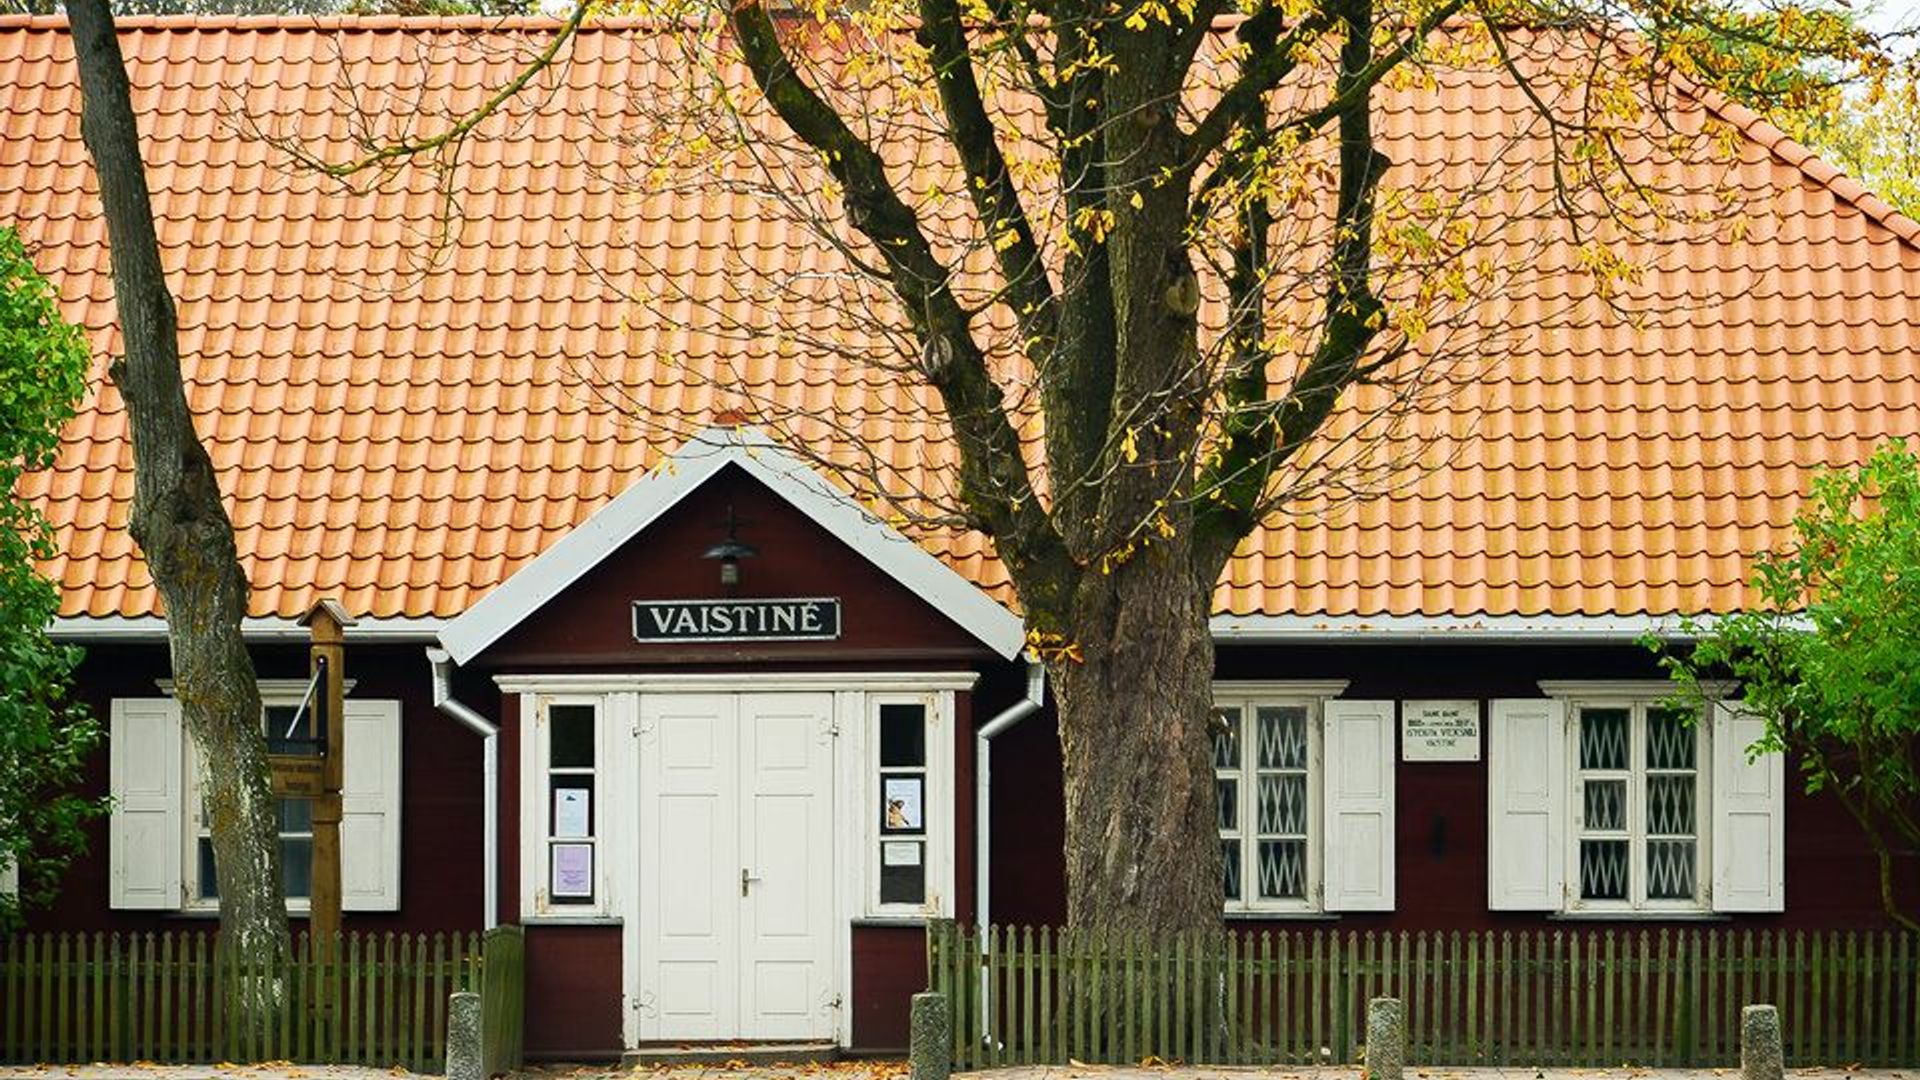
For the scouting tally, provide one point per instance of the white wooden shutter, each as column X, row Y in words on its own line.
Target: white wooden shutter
column 1358, row 769
column 1749, row 819
column 145, row 835
column 1526, row 804
column 370, row 807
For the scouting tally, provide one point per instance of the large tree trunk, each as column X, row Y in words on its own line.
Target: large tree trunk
column 1142, row 840
column 182, row 528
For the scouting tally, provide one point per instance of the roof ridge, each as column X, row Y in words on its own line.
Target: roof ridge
column 1798, row 156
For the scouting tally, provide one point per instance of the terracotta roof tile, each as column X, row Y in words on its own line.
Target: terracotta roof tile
column 404, row 435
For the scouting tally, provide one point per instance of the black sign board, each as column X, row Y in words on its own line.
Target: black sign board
column 736, row 620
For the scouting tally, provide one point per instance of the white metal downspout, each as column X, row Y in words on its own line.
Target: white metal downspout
column 444, row 700
column 983, row 812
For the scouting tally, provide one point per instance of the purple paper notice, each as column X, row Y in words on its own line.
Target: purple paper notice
column 573, row 870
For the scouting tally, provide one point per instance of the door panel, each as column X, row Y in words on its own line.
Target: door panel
column 689, row 858
column 786, row 918
column 733, row 785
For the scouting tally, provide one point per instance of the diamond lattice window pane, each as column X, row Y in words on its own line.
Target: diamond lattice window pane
column 1670, row 805
column 1670, row 740
column 1670, row 869
column 1603, row 869
column 1282, row 799
column 1606, row 805
column 1283, row 737
column 1603, row 738
column 1283, row 869
column 1226, row 739
column 1228, row 790
column 1230, row 868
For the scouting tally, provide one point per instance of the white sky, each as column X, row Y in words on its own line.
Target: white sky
column 1891, row 14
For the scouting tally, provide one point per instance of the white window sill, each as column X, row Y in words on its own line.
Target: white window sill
column 584, row 919
column 1282, row 915
column 1639, row 916
column 901, row 920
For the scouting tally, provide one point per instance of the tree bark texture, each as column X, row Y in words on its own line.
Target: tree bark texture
column 183, row 530
column 1142, row 849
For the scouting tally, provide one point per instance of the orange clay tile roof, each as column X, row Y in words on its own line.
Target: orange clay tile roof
column 403, row 433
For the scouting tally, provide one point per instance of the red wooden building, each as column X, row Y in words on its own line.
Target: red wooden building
column 725, row 811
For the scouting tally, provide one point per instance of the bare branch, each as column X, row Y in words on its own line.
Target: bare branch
column 994, row 479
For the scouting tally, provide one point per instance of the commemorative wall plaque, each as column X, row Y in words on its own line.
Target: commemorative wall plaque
column 1440, row 731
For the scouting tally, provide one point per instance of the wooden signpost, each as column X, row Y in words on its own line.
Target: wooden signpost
column 319, row 777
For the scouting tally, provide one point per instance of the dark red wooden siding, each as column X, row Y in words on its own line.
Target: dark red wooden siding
column 440, row 791
column 589, row 625
column 1441, row 809
column 889, row 967
column 573, row 993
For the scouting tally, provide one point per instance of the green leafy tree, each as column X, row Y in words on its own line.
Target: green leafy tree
column 1830, row 657
column 44, row 735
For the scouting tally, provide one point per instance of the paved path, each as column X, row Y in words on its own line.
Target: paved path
column 897, row 1070
column 1353, row 1072
column 842, row 1070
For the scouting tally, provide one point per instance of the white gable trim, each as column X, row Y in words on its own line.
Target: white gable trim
column 682, row 474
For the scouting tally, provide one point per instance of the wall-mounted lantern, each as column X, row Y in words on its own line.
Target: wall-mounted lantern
column 730, row 551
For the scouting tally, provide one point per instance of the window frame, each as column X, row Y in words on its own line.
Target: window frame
column 274, row 693
column 1639, row 698
column 1248, row 697
column 937, row 809
column 536, row 812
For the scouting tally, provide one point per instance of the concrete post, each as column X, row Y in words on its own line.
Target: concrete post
column 463, row 1037
column 1386, row 1039
column 930, row 1052
column 1760, row 1056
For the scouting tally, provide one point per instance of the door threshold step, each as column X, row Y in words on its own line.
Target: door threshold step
column 746, row 1053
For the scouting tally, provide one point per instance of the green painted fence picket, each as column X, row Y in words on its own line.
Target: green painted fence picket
column 1578, row 998
column 160, row 997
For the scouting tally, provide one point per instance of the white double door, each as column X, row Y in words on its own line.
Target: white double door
column 736, row 889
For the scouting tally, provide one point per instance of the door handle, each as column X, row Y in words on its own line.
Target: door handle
column 746, row 879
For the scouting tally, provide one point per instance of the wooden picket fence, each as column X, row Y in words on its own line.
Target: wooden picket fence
column 160, row 997
column 1570, row 997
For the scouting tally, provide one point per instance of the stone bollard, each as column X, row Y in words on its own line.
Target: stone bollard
column 463, row 1037
column 930, row 1053
column 1760, row 1057
column 1386, row 1039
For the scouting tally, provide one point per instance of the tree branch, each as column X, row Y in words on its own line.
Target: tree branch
column 991, row 186
column 1268, row 436
column 397, row 152
column 1267, row 72
column 993, row 474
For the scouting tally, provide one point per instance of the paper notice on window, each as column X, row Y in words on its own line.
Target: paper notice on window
column 572, row 870
column 902, row 809
column 572, row 810
column 900, row 853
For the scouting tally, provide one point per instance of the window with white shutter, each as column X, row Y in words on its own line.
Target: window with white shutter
column 370, row 807
column 1359, row 738
column 1749, row 821
column 161, row 847
column 144, row 776
column 1525, row 802
column 1638, row 806
column 1273, row 802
